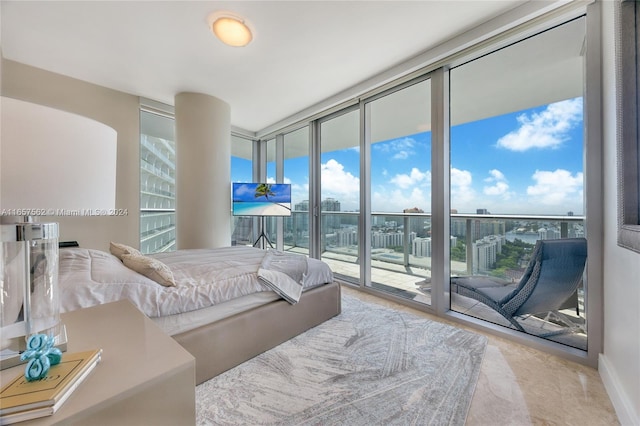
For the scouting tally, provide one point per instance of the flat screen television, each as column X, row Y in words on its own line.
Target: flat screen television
column 261, row 199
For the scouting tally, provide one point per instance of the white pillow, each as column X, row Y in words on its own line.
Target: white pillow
column 118, row 250
column 150, row 268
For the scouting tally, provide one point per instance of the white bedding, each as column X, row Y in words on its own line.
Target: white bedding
column 204, row 278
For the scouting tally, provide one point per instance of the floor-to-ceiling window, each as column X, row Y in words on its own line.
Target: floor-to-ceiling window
column 269, row 224
column 296, row 173
column 398, row 134
column 340, row 193
column 507, row 155
column 241, row 171
column 517, row 170
column 157, row 182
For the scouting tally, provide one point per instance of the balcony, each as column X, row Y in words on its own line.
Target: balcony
column 490, row 245
column 157, row 230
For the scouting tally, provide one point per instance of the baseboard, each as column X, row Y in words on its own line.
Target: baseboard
column 627, row 414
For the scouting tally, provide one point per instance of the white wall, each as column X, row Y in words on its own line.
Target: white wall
column 619, row 365
column 116, row 109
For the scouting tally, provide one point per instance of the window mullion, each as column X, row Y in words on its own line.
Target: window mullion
column 440, row 229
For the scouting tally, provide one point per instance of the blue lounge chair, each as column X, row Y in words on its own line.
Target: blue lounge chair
column 551, row 279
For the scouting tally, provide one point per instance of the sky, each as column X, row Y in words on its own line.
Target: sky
column 526, row 162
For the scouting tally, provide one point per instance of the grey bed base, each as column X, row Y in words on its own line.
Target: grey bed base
column 222, row 345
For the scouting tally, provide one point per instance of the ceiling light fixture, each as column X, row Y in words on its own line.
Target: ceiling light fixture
column 230, row 30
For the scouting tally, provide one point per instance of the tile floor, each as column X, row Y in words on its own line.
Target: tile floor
column 519, row 385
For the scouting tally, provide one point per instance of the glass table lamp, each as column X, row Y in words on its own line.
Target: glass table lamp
column 29, row 283
column 53, row 163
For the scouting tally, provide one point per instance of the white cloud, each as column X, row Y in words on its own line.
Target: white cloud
column 556, row 188
column 405, row 181
column 340, row 184
column 273, row 180
column 547, row 129
column 499, row 188
column 299, row 191
column 401, row 155
column 496, row 175
column 460, row 178
column 398, row 200
column 398, row 149
column 409, row 191
column 497, row 184
column 461, row 190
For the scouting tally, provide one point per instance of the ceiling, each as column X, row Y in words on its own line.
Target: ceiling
column 302, row 53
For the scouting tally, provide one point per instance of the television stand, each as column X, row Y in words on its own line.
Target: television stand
column 263, row 236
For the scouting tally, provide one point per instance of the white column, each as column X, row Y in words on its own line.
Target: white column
column 203, row 171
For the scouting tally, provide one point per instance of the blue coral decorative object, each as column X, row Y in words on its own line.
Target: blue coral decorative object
column 41, row 355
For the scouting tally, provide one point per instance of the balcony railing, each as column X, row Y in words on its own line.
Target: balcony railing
column 480, row 244
column 405, row 238
column 157, row 230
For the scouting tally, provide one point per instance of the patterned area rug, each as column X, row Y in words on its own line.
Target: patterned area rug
column 370, row 365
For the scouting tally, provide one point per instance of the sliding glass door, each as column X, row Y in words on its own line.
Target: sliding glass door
column 457, row 172
column 340, row 193
column 398, row 135
column 517, row 174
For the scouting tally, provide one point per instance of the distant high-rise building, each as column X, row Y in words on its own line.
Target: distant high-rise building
column 494, row 227
column 330, row 222
column 157, row 194
column 302, row 206
column 330, row 205
column 459, row 227
column 300, row 217
column 346, row 237
column 413, row 210
column 422, row 247
column 549, row 234
column 387, row 239
column 416, row 224
column 485, row 252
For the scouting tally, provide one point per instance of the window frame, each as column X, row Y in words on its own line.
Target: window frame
column 628, row 144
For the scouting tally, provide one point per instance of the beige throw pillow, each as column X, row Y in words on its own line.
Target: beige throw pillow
column 118, row 250
column 150, row 268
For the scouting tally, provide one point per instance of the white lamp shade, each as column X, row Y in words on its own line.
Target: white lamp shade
column 53, row 161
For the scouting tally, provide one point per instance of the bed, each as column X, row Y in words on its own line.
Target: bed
column 211, row 301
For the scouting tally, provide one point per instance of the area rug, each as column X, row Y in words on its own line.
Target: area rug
column 370, row 365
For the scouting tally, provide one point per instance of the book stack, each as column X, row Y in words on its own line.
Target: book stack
column 23, row 400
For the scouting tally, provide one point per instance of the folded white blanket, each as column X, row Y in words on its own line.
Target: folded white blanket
column 284, row 273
